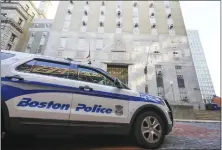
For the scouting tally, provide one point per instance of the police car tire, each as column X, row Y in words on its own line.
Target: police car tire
column 138, row 134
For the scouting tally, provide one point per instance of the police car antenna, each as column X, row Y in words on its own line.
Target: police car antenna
column 70, row 59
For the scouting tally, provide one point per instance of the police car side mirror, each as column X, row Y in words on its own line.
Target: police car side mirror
column 117, row 83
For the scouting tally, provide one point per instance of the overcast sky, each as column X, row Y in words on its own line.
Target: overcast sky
column 203, row 16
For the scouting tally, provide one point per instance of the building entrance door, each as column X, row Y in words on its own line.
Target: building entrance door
column 119, row 71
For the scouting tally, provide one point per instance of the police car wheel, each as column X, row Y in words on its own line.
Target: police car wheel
column 149, row 130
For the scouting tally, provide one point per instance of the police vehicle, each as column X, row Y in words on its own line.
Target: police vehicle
column 46, row 95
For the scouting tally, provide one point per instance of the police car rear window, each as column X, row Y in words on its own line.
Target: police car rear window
column 45, row 67
column 6, row 55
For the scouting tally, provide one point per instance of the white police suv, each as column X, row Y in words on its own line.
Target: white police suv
column 46, row 95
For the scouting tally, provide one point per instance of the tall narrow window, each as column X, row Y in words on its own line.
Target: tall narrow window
column 152, row 15
column 99, row 44
column 136, row 25
column 180, row 81
column 101, row 24
column 118, row 13
column 118, row 25
column 85, row 12
column 13, row 36
column 171, row 26
column 159, row 79
column 33, row 14
column 153, row 26
column 9, row 46
column 169, row 15
column 84, row 23
column 62, row 43
column 26, row 8
column 20, row 21
column 82, row 45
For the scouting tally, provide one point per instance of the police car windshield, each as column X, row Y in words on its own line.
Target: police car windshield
column 125, row 86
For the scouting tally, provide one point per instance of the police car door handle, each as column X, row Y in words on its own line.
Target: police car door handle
column 15, row 77
column 86, row 87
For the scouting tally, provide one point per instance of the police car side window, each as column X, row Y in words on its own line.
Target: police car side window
column 89, row 75
column 26, row 67
column 50, row 68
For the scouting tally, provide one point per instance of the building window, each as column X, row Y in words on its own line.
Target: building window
column 159, row 79
column 84, row 23
column 85, row 12
column 40, row 48
column 136, row 25
column 26, row 8
column 153, row 26
column 47, row 25
column 119, row 13
column 82, row 45
column 169, row 15
column 101, row 24
column 42, row 41
column 20, row 21
column 66, row 25
column 6, row 1
column 178, row 67
column 13, row 36
column 36, row 25
column 175, row 53
column 99, row 44
column 180, row 81
column 4, row 14
column 118, row 25
column 62, row 43
column 68, row 17
column 33, row 14
column 9, row 46
column 152, row 15
column 171, row 26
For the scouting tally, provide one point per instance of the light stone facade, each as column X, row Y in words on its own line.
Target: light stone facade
column 148, row 33
column 16, row 17
column 38, row 35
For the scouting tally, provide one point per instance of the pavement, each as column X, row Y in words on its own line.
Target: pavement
column 185, row 135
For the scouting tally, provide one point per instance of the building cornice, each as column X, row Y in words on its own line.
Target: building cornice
column 11, row 22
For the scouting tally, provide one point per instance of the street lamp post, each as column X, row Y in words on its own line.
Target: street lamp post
column 171, row 84
column 146, row 70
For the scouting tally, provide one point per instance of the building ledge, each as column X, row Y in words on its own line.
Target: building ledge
column 11, row 22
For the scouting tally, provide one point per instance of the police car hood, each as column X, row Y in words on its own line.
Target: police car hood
column 150, row 98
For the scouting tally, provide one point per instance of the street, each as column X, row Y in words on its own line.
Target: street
column 183, row 136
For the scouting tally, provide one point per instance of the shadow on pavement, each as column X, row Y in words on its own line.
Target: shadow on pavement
column 67, row 143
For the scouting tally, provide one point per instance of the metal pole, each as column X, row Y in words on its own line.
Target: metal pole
column 146, row 74
column 173, row 92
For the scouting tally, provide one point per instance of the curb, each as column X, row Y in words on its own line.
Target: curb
column 197, row 121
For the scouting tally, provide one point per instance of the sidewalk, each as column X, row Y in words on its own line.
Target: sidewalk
column 200, row 121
